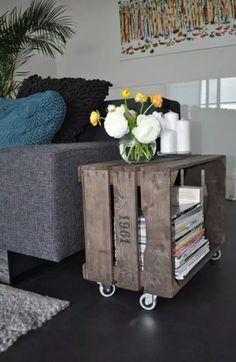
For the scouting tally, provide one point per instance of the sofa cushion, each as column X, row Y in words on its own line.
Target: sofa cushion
column 31, row 120
column 81, row 97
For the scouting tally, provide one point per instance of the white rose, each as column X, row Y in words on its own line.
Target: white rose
column 148, row 128
column 160, row 118
column 120, row 109
column 111, row 108
column 116, row 125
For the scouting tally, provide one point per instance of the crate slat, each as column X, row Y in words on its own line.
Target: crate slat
column 98, row 231
column 215, row 215
column 173, row 177
column 215, row 205
column 126, row 214
column 155, row 203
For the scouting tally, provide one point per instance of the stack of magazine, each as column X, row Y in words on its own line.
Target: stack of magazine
column 142, row 239
column 188, row 233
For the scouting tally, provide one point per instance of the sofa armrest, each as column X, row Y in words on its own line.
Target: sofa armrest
column 40, row 198
column 86, row 149
column 39, row 160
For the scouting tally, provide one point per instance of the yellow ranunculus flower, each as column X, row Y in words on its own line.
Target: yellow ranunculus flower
column 140, row 97
column 95, row 118
column 156, row 100
column 126, row 93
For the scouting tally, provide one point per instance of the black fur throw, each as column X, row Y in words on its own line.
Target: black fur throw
column 81, row 97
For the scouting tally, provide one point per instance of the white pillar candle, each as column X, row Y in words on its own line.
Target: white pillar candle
column 183, row 136
column 171, row 119
column 168, row 141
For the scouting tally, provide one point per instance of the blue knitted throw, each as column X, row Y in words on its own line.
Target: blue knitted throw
column 31, row 120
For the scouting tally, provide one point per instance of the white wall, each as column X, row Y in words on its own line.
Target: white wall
column 95, row 53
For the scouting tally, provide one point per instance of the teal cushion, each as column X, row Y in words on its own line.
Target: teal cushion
column 31, row 120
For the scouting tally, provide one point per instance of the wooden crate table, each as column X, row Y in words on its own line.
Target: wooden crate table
column 112, row 194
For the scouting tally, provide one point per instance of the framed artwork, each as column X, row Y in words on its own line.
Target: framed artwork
column 155, row 27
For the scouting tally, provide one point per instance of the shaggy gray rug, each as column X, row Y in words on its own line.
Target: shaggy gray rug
column 22, row 311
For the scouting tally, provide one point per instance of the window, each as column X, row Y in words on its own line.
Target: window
column 218, row 93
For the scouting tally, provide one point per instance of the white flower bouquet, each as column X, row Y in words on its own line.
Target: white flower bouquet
column 137, row 131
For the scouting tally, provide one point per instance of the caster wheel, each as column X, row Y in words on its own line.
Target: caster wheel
column 106, row 290
column 216, row 256
column 148, row 301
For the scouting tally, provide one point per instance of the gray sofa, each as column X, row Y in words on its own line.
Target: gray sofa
column 41, row 212
column 40, row 197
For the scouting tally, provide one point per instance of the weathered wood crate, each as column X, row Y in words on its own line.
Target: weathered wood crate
column 113, row 192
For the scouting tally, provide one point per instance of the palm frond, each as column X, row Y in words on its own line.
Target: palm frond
column 23, row 56
column 8, row 85
column 42, row 28
column 45, row 17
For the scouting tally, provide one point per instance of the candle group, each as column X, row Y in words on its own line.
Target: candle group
column 176, row 136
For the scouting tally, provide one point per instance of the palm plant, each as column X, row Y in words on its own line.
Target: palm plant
column 41, row 28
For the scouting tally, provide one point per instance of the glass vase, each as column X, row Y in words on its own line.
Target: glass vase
column 132, row 151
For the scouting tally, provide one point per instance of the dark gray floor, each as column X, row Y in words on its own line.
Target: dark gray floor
column 198, row 325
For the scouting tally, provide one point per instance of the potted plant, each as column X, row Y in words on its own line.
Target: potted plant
column 43, row 27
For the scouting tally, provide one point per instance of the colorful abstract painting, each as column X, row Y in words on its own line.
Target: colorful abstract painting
column 161, row 26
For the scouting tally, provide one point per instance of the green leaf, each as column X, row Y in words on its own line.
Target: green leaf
column 42, row 28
